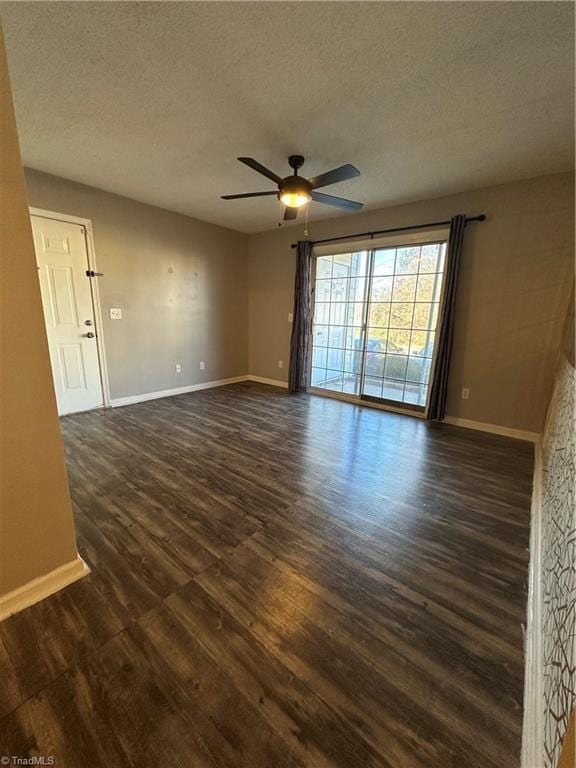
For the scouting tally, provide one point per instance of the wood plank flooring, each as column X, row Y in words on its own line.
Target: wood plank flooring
column 279, row 581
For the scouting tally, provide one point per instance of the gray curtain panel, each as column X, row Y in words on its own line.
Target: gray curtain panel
column 302, row 319
column 439, row 388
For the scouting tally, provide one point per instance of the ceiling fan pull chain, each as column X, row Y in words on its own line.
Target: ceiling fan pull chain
column 306, row 233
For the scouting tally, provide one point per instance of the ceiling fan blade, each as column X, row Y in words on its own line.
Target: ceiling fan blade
column 337, row 202
column 249, row 194
column 342, row 173
column 259, row 168
column 290, row 213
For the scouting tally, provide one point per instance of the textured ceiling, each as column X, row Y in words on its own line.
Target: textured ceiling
column 156, row 100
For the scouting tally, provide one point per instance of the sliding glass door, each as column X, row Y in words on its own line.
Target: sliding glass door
column 341, row 290
column 375, row 318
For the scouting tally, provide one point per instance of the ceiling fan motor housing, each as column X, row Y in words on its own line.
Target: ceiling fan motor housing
column 295, row 184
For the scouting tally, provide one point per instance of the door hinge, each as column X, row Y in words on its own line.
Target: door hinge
column 91, row 273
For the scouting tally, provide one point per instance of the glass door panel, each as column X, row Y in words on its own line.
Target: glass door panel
column 339, row 316
column 403, row 301
column 375, row 317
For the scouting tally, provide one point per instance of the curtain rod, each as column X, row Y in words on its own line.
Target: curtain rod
column 481, row 217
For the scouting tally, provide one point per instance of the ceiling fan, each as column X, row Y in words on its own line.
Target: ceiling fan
column 295, row 191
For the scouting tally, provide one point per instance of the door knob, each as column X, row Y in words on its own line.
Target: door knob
column 89, row 335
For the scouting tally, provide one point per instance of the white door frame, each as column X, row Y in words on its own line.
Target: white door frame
column 94, row 289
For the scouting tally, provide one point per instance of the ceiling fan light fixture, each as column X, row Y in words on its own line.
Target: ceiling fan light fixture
column 295, row 191
column 295, row 199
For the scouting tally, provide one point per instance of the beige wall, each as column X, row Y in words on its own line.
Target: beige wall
column 182, row 286
column 184, row 291
column 568, row 346
column 514, row 289
column 36, row 527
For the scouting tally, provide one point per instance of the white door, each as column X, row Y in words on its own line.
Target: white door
column 62, row 261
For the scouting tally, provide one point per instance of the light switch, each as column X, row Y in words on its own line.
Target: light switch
column 290, row 317
column 115, row 313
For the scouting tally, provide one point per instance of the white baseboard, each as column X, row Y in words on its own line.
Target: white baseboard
column 495, row 429
column 117, row 402
column 533, row 724
column 43, row 586
column 271, row 382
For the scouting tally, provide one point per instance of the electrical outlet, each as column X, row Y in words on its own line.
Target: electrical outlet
column 178, row 368
column 465, row 393
column 201, row 366
column 290, row 317
column 280, row 364
column 115, row 313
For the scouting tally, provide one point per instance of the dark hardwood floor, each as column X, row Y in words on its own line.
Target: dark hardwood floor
column 279, row 581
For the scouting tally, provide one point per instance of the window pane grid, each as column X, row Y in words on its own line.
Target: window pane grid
column 402, row 311
column 340, row 289
column 396, row 328
column 401, row 302
column 406, row 274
